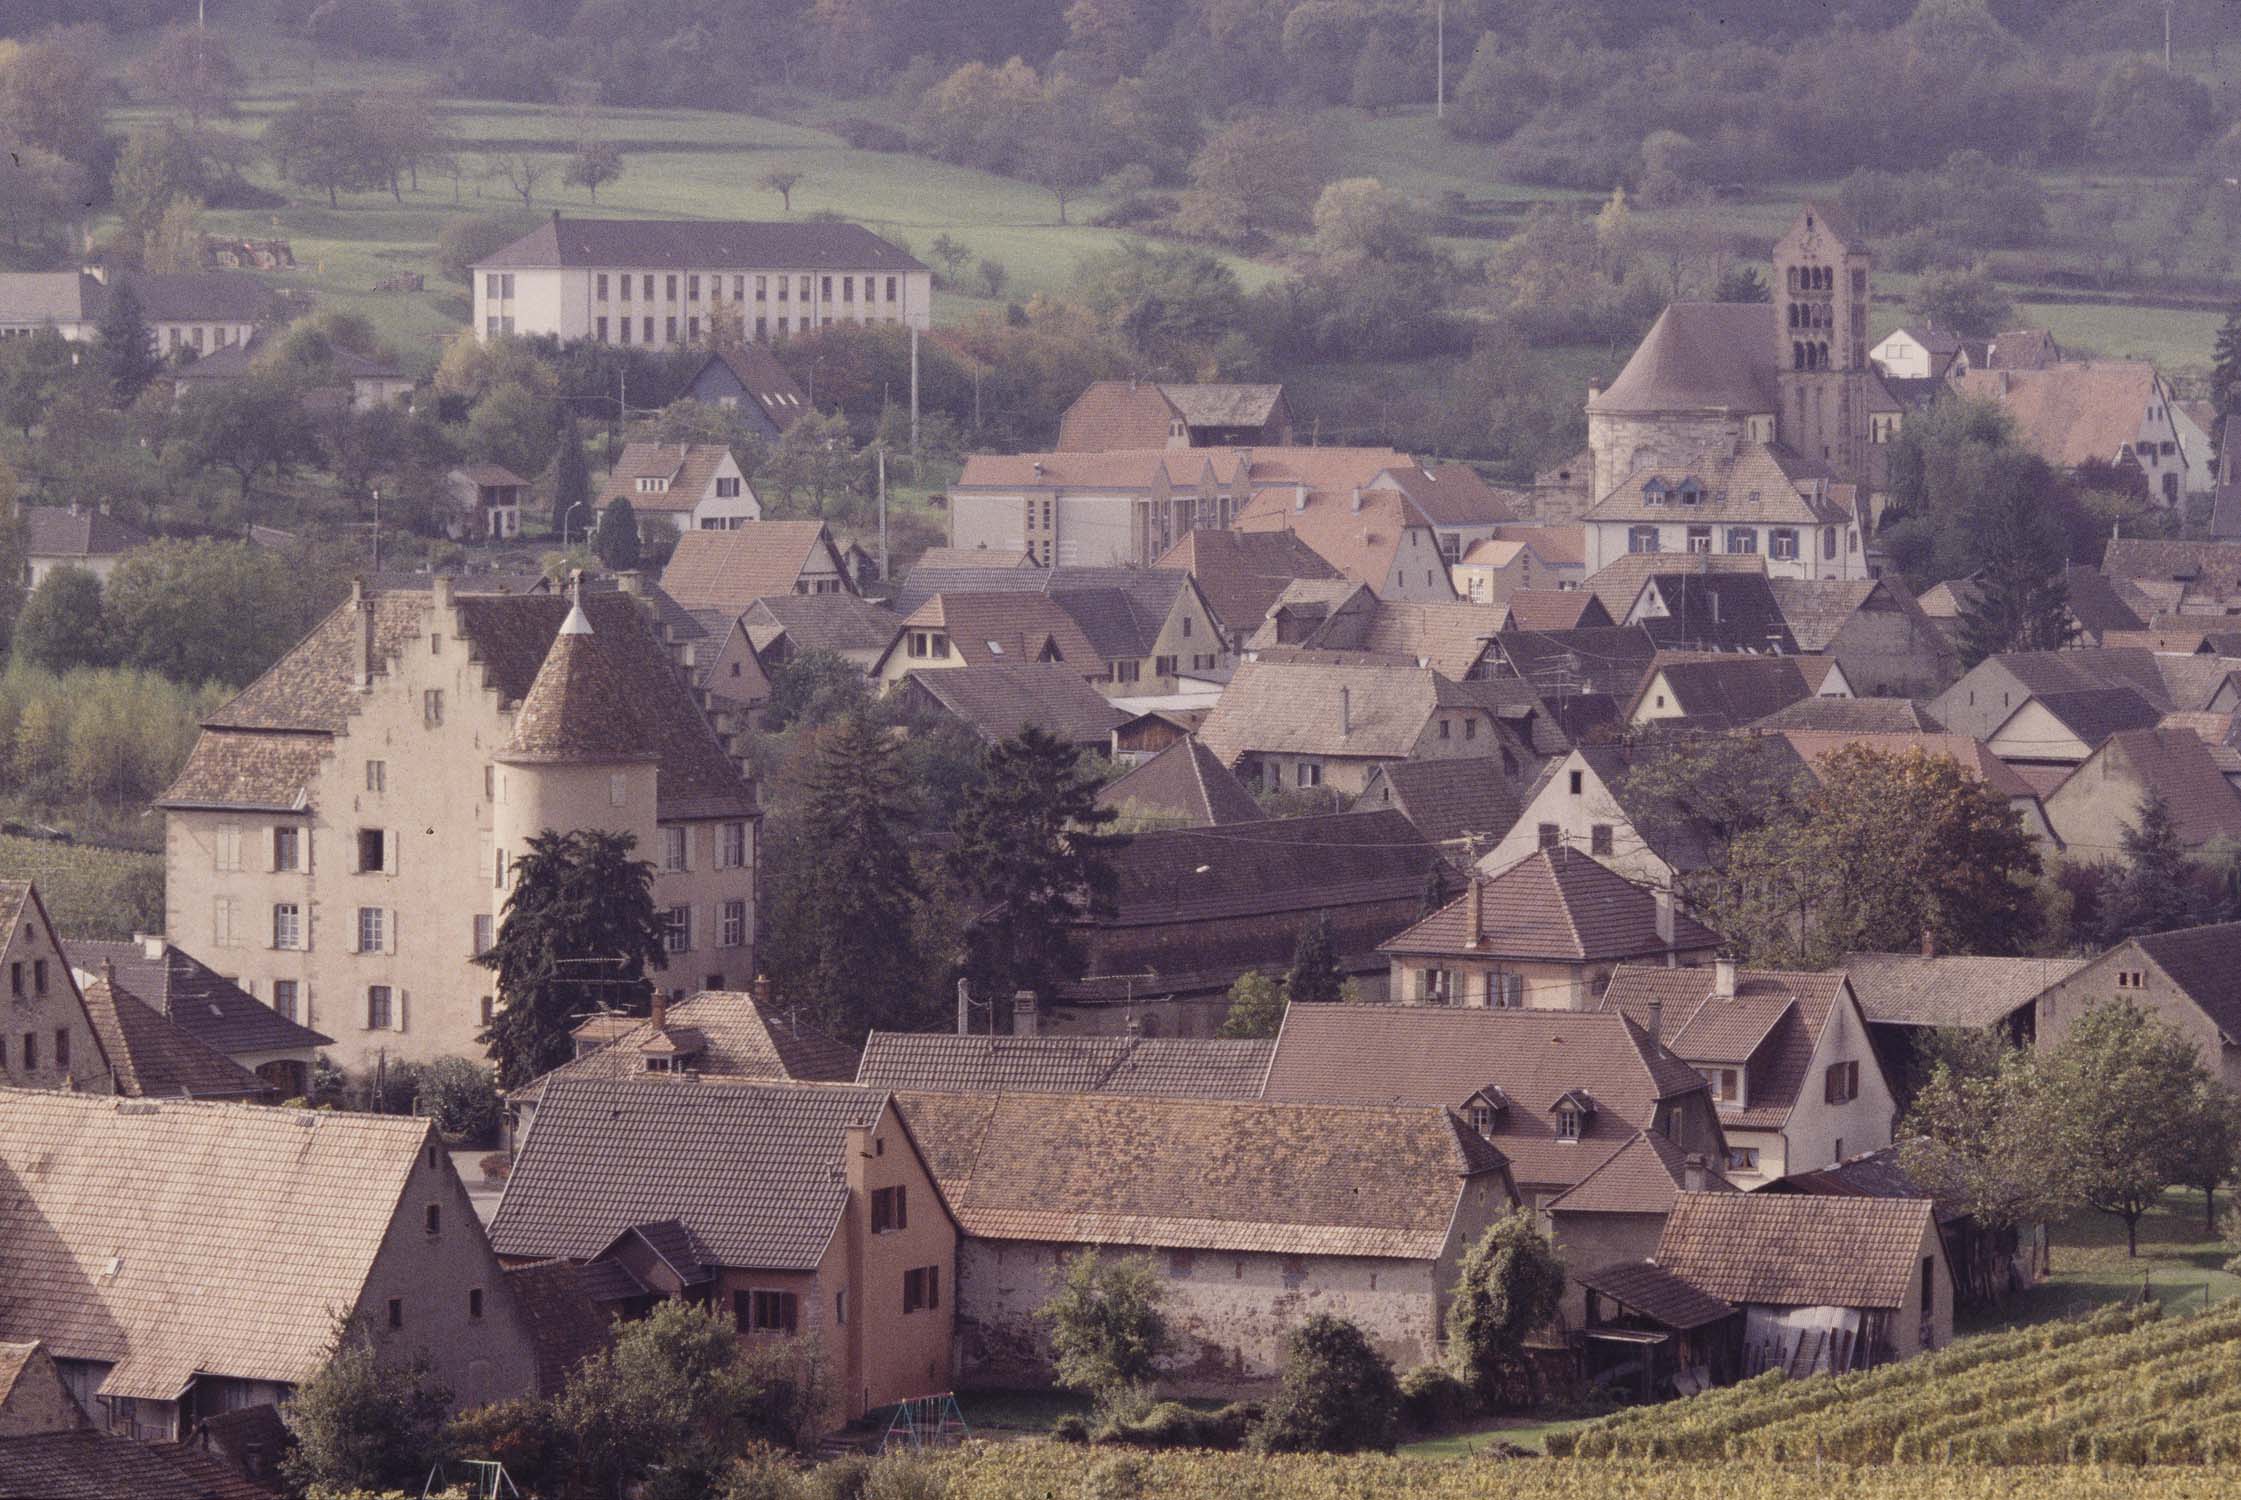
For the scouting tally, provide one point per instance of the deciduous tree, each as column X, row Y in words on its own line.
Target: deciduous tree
column 203, row 611
column 2206, row 1145
column 594, row 165
column 1259, row 174
column 2123, row 1080
column 251, row 427
column 578, row 934
column 1256, row 1006
column 1510, row 1283
column 361, row 1424
column 190, row 69
column 1108, row 1323
column 782, row 181
column 61, row 626
column 1337, row 1394
column 1978, row 1139
column 321, row 142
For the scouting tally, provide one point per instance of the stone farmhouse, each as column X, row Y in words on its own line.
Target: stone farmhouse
column 1360, row 1212
column 160, row 1315
column 665, row 284
column 341, row 835
column 2185, row 978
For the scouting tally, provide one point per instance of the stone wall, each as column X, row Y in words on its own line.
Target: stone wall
column 1623, row 443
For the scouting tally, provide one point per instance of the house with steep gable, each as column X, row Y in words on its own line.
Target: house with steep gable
column 730, row 570
column 696, row 486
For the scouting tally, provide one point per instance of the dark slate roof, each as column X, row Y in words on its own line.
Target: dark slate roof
column 2094, row 714
column 1447, row 799
column 1174, row 1067
column 2095, row 604
column 152, row 1059
column 1643, row 1176
column 564, row 1324
column 1851, row 716
column 1278, row 863
column 1594, row 659
column 998, row 699
column 1906, row 989
column 821, row 622
column 751, row 1171
column 757, row 369
column 1728, row 692
column 1718, row 612
column 2204, row 962
column 1119, row 610
column 1185, row 781
column 197, row 998
column 1874, row 1174
column 189, row 296
column 1422, row 1054
column 1657, row 1293
column 700, row 245
column 1557, row 905
column 1243, row 573
column 76, row 531
column 1773, row 1022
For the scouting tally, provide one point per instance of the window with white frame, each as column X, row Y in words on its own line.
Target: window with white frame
column 373, row 926
column 677, row 929
column 381, row 1008
column 222, row 922
column 284, row 993
column 734, row 930
column 287, row 925
column 1568, row 1124
column 731, row 846
column 676, row 848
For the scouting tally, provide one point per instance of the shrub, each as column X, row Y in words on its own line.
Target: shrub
column 1170, row 1424
column 461, row 1096
column 1107, row 1325
column 871, row 135
column 1432, row 1398
column 841, row 1479
column 1120, row 1477
column 904, row 1476
column 1071, row 1428
column 1338, row 1394
column 762, row 1474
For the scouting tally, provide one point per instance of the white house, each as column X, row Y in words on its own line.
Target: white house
column 699, row 486
column 1916, row 353
column 197, row 310
column 668, row 284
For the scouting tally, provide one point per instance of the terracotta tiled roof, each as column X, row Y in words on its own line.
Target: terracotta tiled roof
column 1116, row 414
column 166, row 1291
column 1553, row 609
column 1560, row 546
column 1650, row 1289
column 738, row 1041
column 564, row 1323
column 1752, row 484
column 1008, row 628
column 2209, row 570
column 231, row 768
column 2073, row 413
column 821, row 622
column 76, row 531
column 2203, row 962
column 311, row 688
column 998, row 699
column 1773, row 1022
column 750, row 1170
column 1446, row 799
column 972, row 557
column 1275, row 707
column 1173, row 1067
column 701, row 244
column 2176, row 765
column 1725, row 692
column 1619, row 582
column 1643, row 1176
column 91, row 1465
column 1449, row 638
column 1412, row 1054
column 1699, row 356
column 1361, row 543
column 1972, row 754
column 151, row 1058
column 1847, row 718
column 1815, row 609
column 1791, row 1250
column 1455, row 495
column 2022, row 349
column 1184, row 782
column 1557, row 905
column 729, row 570
column 690, row 469
column 1181, row 1174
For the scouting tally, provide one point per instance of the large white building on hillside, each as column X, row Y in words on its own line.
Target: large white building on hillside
column 664, row 284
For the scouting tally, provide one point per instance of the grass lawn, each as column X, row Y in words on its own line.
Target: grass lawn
column 2182, row 1263
column 1523, row 1431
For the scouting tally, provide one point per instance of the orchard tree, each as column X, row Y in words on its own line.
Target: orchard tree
column 1977, row 1138
column 2124, row 1081
column 782, row 181
column 1071, row 146
column 1108, row 1325
column 595, row 164
column 578, row 934
column 1261, row 173
column 1968, row 303
column 2206, row 1145
column 252, row 427
column 1028, row 843
column 61, row 626
column 321, row 142
column 190, row 70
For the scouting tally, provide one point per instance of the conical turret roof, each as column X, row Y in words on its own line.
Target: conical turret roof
column 578, row 708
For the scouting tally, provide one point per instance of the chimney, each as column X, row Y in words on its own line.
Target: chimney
column 762, row 992
column 1027, row 1018
column 1723, row 979
column 632, row 582
column 1299, row 496
column 1345, row 712
column 442, row 586
column 1474, row 913
column 1664, row 900
column 362, row 673
column 1693, row 1176
column 1594, row 391
column 660, row 1013
column 109, row 974
column 1357, row 499
column 1657, row 1020
column 556, row 215
column 964, row 1007
column 1929, row 942
column 151, row 944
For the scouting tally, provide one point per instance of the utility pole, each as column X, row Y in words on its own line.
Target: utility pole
column 2168, row 6
column 1439, row 61
column 914, row 402
column 377, row 532
column 883, row 513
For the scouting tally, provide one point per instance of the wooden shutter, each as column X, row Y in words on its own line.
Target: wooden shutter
column 390, row 838
column 389, row 930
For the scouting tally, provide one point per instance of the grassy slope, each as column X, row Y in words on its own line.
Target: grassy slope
column 2181, row 1263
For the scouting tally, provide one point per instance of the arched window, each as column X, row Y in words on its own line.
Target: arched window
column 1824, row 356
column 1797, row 356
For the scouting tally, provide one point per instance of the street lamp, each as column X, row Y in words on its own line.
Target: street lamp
column 566, row 517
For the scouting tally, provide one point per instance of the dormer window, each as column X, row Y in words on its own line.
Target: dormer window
column 652, row 485
column 1569, row 1123
column 1486, row 1108
column 1654, row 492
column 1691, row 492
